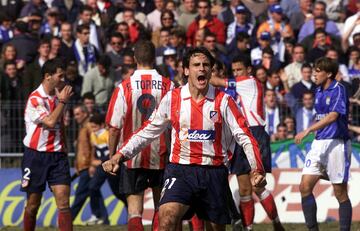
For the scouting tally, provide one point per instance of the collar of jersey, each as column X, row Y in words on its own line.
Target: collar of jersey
column 43, row 93
column 333, row 84
column 185, row 92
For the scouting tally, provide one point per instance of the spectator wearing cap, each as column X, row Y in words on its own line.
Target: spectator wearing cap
column 168, row 68
column 227, row 16
column 51, row 27
column 154, row 17
column 205, row 20
column 239, row 25
column 276, row 25
column 33, row 6
column 6, row 32
column 69, row 9
column 100, row 81
column 23, row 40
column 309, row 27
column 264, row 40
column 188, row 13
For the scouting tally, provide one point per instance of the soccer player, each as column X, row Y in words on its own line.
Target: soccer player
column 205, row 122
column 249, row 96
column 132, row 103
column 330, row 153
column 45, row 158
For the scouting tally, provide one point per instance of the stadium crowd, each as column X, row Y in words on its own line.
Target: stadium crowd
column 275, row 41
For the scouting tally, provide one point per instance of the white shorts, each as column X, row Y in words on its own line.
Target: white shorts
column 329, row 158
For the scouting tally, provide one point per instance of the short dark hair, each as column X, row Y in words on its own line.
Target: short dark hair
column 51, row 66
column 207, row 1
column 144, row 52
column 320, row 3
column 328, row 65
column 85, row 8
column 88, row 95
column 126, row 68
column 268, row 50
column 196, row 50
column 319, row 31
column 82, row 27
column 105, row 61
column 169, row 12
column 81, row 106
column 306, row 65
column 308, row 92
column 44, row 41
column 242, row 59
column 241, row 36
column 98, row 119
column 117, row 35
column 9, row 62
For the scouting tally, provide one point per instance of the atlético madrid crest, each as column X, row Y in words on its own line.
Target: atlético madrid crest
column 214, row 116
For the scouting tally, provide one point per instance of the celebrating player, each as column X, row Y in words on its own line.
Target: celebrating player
column 205, row 122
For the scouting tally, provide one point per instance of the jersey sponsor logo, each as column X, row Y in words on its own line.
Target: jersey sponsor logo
column 214, row 116
column 327, row 101
column 196, row 135
column 320, row 116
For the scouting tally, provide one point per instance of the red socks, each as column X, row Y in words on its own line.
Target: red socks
column 135, row 224
column 155, row 221
column 65, row 220
column 29, row 221
column 247, row 210
column 268, row 203
column 197, row 224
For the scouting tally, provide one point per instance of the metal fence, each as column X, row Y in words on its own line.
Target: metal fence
column 12, row 130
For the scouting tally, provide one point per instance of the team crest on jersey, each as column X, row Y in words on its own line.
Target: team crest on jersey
column 189, row 135
column 327, row 100
column 214, row 116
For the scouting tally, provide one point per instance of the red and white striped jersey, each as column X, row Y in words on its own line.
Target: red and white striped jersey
column 38, row 136
column 202, row 133
column 250, row 97
column 131, row 105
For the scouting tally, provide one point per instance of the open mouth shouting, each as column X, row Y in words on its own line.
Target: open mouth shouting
column 202, row 80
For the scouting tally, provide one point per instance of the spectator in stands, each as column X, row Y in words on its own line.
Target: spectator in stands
column 188, row 14
column 305, row 115
column 154, row 17
column 85, row 53
column 272, row 111
column 241, row 46
column 293, row 70
column 33, row 6
column 320, row 23
column 100, row 81
column 205, row 20
column 138, row 15
column 309, row 27
column 8, row 54
column 274, row 83
column 351, row 27
column 12, row 8
column 32, row 73
column 67, row 43
column 88, row 99
column 164, row 43
column 263, row 40
column 210, row 44
column 304, row 14
column 168, row 68
column 6, row 32
column 289, row 121
column 136, row 29
column 10, row 83
column 128, row 57
column 126, row 72
column 280, row 134
column 305, row 84
column 167, row 20
column 103, row 12
column 268, row 60
column 240, row 25
column 261, row 74
column 353, row 54
column 27, row 43
column 333, row 54
column 96, row 33
column 178, row 41
column 73, row 79
column 51, row 26
column 70, row 9
column 171, row 5
column 227, row 16
column 55, row 46
column 276, row 25
column 321, row 43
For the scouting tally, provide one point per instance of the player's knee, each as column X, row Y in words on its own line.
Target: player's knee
column 341, row 195
column 168, row 219
column 245, row 191
column 32, row 209
column 305, row 189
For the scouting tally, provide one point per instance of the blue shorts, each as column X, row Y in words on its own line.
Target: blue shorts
column 203, row 188
column 137, row 180
column 41, row 167
column 239, row 163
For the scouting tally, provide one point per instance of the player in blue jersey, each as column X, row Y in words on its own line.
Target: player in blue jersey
column 329, row 156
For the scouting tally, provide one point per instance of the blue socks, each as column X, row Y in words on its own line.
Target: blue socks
column 345, row 215
column 309, row 209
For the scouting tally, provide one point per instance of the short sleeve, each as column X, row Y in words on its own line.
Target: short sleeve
column 36, row 110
